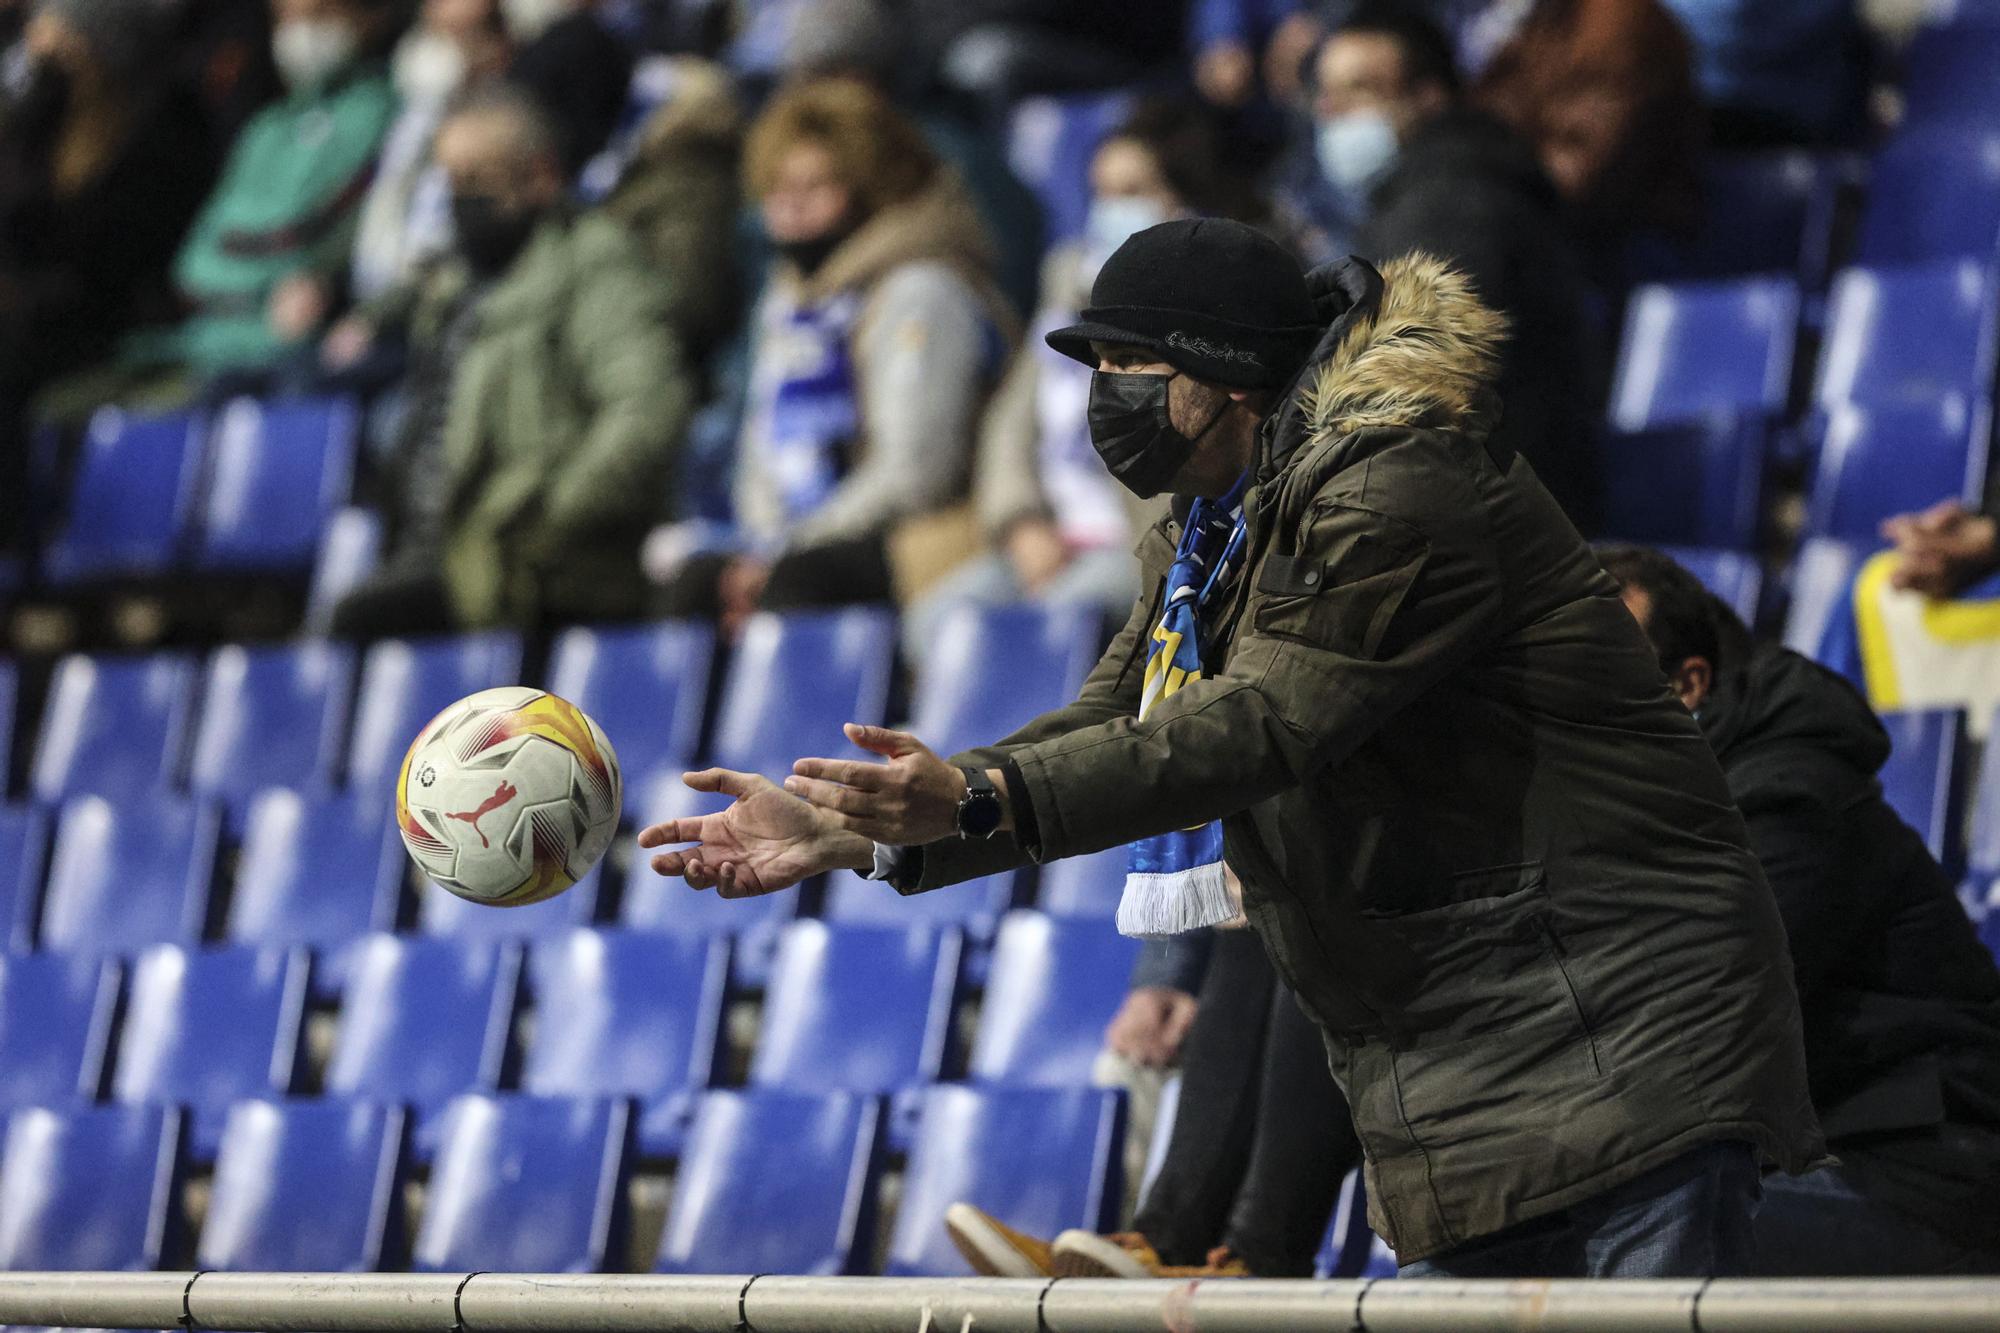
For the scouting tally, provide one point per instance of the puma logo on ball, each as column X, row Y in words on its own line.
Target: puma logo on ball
column 500, row 797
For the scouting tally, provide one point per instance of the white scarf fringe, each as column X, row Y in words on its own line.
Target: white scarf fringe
column 1157, row 904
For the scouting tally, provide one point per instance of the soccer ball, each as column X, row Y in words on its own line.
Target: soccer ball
column 508, row 796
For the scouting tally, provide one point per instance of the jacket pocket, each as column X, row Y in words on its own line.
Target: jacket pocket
column 1345, row 585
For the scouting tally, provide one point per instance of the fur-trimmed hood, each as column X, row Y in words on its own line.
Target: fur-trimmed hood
column 1412, row 345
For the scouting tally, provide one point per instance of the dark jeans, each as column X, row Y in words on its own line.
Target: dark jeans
column 1262, row 1138
column 1689, row 1218
column 836, row 573
column 392, row 604
column 1822, row 1224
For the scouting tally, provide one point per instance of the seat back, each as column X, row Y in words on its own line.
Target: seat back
column 624, row 1014
column 644, row 684
column 87, row 1188
column 1983, row 840
column 993, row 668
column 278, row 472
column 796, row 679
column 811, row 1159
column 56, row 1013
column 24, row 857
column 129, row 874
column 349, row 551
column 1934, row 193
column 1045, row 1159
column 206, row 1027
column 1698, row 349
column 315, row 870
column 856, row 1008
column 407, row 682
column 441, row 912
column 303, row 1187
column 1948, row 69
column 1737, row 578
column 1698, row 483
column 114, row 726
column 977, row 904
column 270, row 717
column 1924, row 778
column 10, row 689
column 131, row 506
column 524, row 1185
column 653, row 903
column 1820, row 619
column 1897, row 458
column 1053, row 988
column 1766, row 213
column 1085, row 886
column 1913, row 334
column 1050, row 144
column 424, row 1020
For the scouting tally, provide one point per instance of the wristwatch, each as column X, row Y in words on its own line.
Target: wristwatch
column 979, row 808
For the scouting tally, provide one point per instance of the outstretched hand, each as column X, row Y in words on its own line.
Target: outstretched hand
column 763, row 842
column 909, row 800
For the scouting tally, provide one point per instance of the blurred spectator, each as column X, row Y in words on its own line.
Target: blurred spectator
column 1946, row 548
column 874, row 348
column 547, row 396
column 679, row 196
column 1443, row 178
column 1901, row 1001
column 1226, row 37
column 571, row 62
column 1060, row 528
column 1301, row 25
column 102, row 165
column 1779, row 71
column 406, row 218
column 1004, row 49
column 222, row 57
column 1604, row 89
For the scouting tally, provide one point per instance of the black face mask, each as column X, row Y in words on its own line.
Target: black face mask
column 1132, row 430
column 809, row 255
column 489, row 236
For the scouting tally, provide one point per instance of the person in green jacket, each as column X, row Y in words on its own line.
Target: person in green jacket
column 546, row 400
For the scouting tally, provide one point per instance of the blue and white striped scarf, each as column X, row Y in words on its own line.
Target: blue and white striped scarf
column 1174, row 882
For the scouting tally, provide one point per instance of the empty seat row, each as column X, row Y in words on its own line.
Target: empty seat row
column 614, row 1013
column 770, row 1182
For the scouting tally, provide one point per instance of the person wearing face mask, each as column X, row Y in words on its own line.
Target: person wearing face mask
column 1901, row 1000
column 1428, row 174
column 1059, row 530
column 546, row 400
column 873, row 349
column 1377, row 674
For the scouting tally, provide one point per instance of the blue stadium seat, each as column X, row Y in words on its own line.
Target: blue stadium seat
column 303, row 1187
column 24, row 857
column 1983, row 835
column 796, row 678
column 1731, row 575
column 277, row 474
column 270, row 717
column 1040, row 1159
column 856, row 1009
column 88, row 1188
column 1820, row 621
column 422, row 1021
column 993, row 668
column 1050, row 142
column 1948, row 70
column 644, row 684
column 1053, row 987
column 206, row 1027
column 1351, row 1249
column 55, row 1027
column 1910, row 334
column 976, row 905
column 1695, row 350
column 407, row 682
column 349, row 551
column 1925, row 778
column 322, row 871
column 754, row 1156
column 524, row 1185
column 1875, row 462
column 129, row 874
column 1085, row 886
column 440, row 912
column 10, row 689
column 1698, row 483
column 625, row 1014
column 132, row 504
column 1934, row 194
column 113, row 725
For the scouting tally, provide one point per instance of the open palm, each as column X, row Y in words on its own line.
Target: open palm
column 766, row 840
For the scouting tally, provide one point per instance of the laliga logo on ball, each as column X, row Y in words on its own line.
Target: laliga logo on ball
column 515, row 796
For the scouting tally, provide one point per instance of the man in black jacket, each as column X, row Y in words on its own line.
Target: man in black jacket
column 1901, row 1002
column 1451, row 181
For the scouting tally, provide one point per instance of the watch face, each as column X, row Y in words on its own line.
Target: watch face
column 979, row 817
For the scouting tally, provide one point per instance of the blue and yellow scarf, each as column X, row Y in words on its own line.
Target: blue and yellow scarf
column 1174, row 882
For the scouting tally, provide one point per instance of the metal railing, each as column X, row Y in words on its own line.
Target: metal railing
column 497, row 1302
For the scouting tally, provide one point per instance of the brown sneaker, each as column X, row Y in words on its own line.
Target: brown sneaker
column 1120, row 1254
column 1222, row 1262
column 993, row 1248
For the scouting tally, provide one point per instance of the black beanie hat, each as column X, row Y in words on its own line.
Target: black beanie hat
column 1217, row 300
